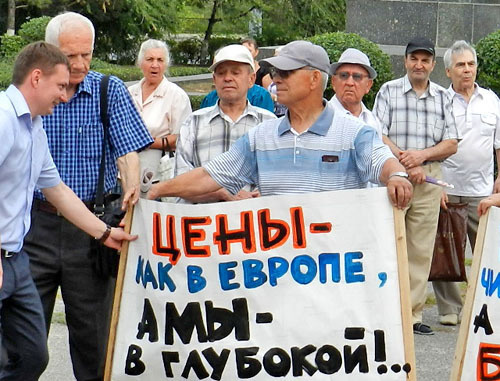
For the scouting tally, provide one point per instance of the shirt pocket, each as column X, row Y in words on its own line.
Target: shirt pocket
column 438, row 132
column 488, row 123
column 91, row 136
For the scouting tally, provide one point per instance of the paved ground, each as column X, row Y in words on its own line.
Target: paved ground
column 434, row 353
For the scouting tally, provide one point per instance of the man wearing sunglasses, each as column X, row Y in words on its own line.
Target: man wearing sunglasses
column 312, row 148
column 352, row 79
column 418, row 125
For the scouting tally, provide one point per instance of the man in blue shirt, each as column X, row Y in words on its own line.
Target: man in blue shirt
column 39, row 81
column 311, row 149
column 60, row 255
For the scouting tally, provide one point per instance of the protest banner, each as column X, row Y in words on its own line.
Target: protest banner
column 310, row 286
column 477, row 355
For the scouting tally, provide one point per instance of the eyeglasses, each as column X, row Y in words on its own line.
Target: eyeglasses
column 357, row 77
column 284, row 74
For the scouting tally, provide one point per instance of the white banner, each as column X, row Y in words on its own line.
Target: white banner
column 301, row 287
column 481, row 359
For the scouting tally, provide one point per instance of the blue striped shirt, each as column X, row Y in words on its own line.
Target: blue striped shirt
column 75, row 134
column 336, row 152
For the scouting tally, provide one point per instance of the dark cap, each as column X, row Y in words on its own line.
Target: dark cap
column 420, row 43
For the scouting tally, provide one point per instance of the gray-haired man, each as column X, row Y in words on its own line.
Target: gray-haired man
column 470, row 170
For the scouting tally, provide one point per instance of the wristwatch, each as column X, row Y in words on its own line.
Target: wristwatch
column 399, row 174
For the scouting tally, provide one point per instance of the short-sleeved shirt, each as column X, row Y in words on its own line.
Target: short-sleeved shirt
column 470, row 169
column 75, row 132
column 208, row 132
column 256, row 95
column 25, row 163
column 166, row 108
column 413, row 122
column 336, row 152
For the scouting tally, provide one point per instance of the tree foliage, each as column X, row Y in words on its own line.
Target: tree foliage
column 488, row 57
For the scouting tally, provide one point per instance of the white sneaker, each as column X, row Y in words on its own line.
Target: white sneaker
column 449, row 319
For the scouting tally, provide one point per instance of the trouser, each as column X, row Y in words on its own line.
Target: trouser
column 448, row 295
column 60, row 257
column 421, row 218
column 23, row 335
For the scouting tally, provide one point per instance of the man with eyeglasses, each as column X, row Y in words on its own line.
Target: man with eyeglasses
column 418, row 125
column 312, row 148
column 352, row 79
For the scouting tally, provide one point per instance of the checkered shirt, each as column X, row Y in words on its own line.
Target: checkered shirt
column 413, row 122
column 208, row 132
column 75, row 134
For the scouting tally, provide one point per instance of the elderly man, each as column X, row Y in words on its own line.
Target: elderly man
column 470, row 170
column 352, row 79
column 311, row 149
column 210, row 131
column 61, row 255
column 39, row 81
column 418, row 125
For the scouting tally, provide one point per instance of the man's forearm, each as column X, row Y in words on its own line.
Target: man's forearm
column 442, row 150
column 129, row 166
column 188, row 185
column 390, row 166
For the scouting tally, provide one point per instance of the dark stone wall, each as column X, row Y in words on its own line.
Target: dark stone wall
column 392, row 23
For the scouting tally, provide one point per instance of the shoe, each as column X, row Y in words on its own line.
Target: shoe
column 422, row 329
column 449, row 319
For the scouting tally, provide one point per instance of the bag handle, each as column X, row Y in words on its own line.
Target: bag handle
column 165, row 146
column 103, row 105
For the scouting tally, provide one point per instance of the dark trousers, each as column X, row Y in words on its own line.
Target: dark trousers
column 60, row 257
column 23, row 334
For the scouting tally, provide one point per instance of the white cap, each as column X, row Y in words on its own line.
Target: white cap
column 357, row 57
column 236, row 53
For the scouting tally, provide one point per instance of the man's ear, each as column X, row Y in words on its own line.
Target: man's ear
column 35, row 76
column 252, row 78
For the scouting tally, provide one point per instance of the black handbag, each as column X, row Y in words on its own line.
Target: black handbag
column 105, row 260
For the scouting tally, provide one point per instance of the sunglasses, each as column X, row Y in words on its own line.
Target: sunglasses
column 284, row 74
column 357, row 77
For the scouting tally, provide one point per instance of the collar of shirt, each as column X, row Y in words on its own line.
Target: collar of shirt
column 407, row 87
column 336, row 103
column 217, row 112
column 21, row 107
column 159, row 92
column 478, row 92
column 84, row 87
column 319, row 127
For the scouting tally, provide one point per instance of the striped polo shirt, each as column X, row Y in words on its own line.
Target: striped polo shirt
column 336, row 152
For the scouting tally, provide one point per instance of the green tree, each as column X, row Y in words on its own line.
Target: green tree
column 223, row 12
column 120, row 25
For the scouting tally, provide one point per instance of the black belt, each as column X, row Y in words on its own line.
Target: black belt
column 7, row 254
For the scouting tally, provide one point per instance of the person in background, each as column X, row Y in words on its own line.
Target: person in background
column 262, row 77
column 210, row 131
column 60, row 254
column 352, row 79
column 162, row 104
column 418, row 126
column 39, row 80
column 471, row 169
column 257, row 95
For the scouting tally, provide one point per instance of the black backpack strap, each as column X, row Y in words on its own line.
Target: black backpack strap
column 103, row 105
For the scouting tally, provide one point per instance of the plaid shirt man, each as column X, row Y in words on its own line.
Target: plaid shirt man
column 75, row 135
column 208, row 132
column 413, row 122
